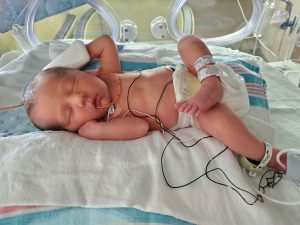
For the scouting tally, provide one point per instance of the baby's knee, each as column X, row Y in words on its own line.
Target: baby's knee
column 187, row 41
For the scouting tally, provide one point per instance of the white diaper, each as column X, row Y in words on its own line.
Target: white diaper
column 184, row 120
column 235, row 92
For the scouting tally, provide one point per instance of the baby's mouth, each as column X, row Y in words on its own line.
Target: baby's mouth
column 97, row 102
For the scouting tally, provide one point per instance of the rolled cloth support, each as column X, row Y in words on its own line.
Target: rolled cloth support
column 75, row 56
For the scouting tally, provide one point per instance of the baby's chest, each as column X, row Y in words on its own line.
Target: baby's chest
column 155, row 104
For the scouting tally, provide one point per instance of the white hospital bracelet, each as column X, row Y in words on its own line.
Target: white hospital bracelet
column 203, row 61
column 267, row 157
column 209, row 70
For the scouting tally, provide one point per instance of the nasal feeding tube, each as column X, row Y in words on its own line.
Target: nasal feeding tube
column 108, row 106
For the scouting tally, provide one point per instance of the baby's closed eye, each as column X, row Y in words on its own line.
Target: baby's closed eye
column 70, row 85
column 70, row 114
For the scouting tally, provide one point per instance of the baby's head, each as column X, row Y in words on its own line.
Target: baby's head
column 65, row 99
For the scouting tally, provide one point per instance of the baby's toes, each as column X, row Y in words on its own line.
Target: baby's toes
column 193, row 110
column 181, row 106
column 188, row 107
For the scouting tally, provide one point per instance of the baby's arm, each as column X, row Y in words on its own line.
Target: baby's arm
column 126, row 128
column 105, row 49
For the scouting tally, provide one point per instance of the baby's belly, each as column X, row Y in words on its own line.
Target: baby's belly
column 153, row 94
column 166, row 113
column 167, row 121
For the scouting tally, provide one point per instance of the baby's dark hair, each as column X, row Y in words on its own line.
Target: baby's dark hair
column 29, row 93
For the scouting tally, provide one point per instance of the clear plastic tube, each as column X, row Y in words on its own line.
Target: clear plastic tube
column 234, row 37
column 267, row 14
column 100, row 6
column 29, row 22
column 21, row 38
column 293, row 41
column 109, row 15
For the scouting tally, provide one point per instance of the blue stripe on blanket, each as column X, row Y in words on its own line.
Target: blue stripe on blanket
column 90, row 216
column 126, row 65
column 254, row 67
column 130, row 66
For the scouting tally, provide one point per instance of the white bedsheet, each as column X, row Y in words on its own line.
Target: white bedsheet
column 284, row 100
column 62, row 169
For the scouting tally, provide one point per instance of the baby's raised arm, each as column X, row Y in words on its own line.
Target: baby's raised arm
column 126, row 128
column 105, row 49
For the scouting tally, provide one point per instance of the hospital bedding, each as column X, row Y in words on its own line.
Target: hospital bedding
column 60, row 178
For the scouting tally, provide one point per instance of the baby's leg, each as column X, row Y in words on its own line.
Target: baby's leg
column 190, row 49
column 224, row 125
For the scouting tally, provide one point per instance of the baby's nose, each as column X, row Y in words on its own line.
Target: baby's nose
column 88, row 102
column 81, row 100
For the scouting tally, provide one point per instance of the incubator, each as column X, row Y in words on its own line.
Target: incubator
column 247, row 25
column 218, row 22
column 45, row 169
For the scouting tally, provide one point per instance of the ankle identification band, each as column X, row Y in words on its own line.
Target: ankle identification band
column 268, row 155
column 254, row 169
column 205, row 67
column 203, row 61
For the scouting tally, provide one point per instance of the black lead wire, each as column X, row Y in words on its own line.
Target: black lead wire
column 235, row 188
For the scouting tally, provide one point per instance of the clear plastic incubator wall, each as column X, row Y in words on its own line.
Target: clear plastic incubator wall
column 218, row 22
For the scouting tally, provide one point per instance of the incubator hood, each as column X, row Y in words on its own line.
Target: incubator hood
column 218, row 22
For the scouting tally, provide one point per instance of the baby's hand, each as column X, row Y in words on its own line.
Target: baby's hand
column 88, row 129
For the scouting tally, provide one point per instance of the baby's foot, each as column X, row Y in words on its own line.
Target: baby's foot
column 209, row 94
column 292, row 163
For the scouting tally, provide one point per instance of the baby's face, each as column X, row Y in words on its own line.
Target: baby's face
column 69, row 101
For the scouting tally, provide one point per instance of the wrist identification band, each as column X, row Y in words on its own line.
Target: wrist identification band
column 209, row 70
column 203, row 61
